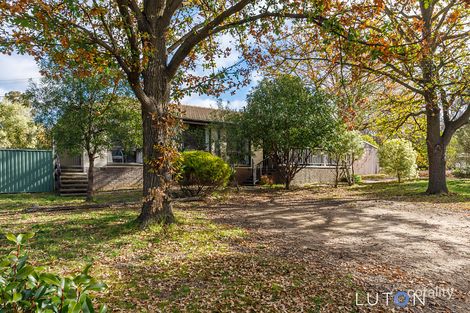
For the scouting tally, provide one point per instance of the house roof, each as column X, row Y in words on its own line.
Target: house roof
column 198, row 114
column 370, row 144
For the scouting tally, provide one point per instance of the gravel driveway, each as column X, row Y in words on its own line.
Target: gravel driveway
column 387, row 245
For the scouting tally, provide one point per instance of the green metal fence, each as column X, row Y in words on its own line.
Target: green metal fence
column 26, row 171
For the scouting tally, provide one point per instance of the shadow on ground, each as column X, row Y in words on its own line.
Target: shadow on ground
column 432, row 243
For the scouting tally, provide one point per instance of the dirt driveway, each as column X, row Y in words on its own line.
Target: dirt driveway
column 387, row 246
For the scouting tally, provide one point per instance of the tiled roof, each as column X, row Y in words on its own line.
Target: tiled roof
column 194, row 113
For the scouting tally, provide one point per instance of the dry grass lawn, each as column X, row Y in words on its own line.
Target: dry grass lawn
column 263, row 250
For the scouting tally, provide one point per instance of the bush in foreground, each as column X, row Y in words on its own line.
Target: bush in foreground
column 201, row 172
column 26, row 288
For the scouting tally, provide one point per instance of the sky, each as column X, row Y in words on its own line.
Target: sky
column 17, row 70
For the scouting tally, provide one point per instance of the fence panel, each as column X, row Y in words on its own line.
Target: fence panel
column 26, row 171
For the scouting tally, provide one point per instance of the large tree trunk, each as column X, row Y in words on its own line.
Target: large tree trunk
column 437, row 170
column 156, row 207
column 436, row 148
column 91, row 179
column 289, row 170
column 157, row 175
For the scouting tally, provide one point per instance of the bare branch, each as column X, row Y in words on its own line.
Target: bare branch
column 191, row 41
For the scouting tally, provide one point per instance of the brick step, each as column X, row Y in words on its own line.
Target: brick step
column 70, row 175
column 73, row 194
column 73, row 190
column 73, row 181
column 72, row 186
column 73, row 174
column 71, row 167
column 71, row 170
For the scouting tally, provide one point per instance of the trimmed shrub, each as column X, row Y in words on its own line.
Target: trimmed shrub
column 201, row 172
column 26, row 288
column 463, row 172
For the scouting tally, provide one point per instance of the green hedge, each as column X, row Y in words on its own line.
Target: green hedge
column 201, row 172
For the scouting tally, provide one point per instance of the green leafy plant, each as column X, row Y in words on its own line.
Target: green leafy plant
column 357, row 179
column 288, row 121
column 17, row 127
column 201, row 172
column 344, row 149
column 86, row 115
column 26, row 288
column 398, row 157
column 463, row 172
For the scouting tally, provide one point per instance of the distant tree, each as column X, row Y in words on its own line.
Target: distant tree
column 16, row 96
column 87, row 115
column 397, row 157
column 452, row 153
column 344, row 149
column 3, row 139
column 288, row 121
column 421, row 45
column 463, row 140
column 17, row 127
column 462, row 146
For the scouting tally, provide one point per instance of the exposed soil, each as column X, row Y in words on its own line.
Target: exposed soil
column 386, row 245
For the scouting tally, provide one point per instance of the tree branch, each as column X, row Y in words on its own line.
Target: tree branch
column 191, row 41
column 367, row 68
column 452, row 126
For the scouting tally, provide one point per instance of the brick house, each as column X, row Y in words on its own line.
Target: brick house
column 118, row 169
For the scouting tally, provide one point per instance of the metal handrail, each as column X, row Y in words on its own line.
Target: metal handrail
column 260, row 168
column 57, row 172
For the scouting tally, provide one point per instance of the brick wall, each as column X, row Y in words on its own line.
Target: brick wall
column 315, row 175
column 118, row 177
column 242, row 174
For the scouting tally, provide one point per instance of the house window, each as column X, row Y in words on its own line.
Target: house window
column 239, row 153
column 312, row 158
column 194, row 138
column 119, row 155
